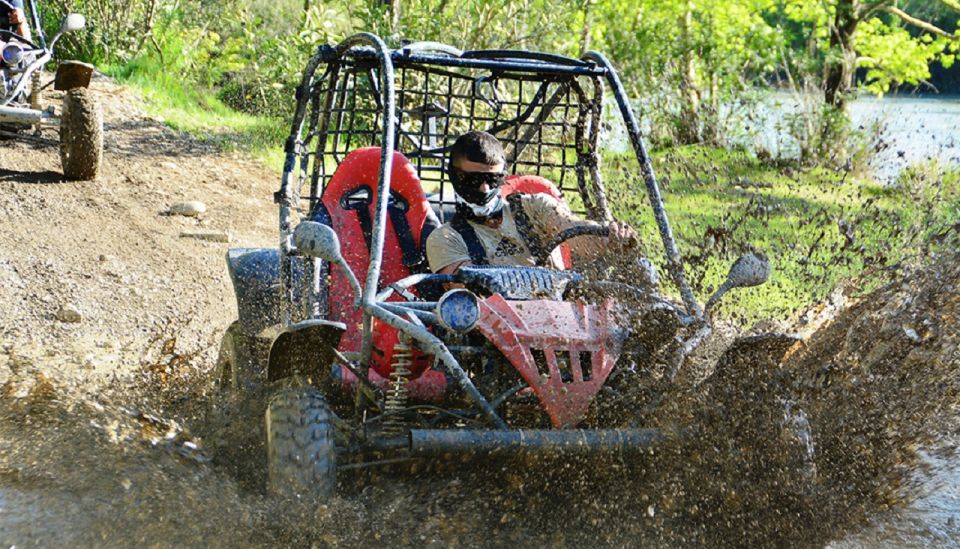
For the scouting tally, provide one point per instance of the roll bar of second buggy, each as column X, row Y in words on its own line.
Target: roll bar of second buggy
column 593, row 63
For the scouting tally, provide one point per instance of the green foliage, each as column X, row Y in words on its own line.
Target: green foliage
column 693, row 65
column 892, row 55
column 117, row 30
column 892, row 50
column 190, row 109
column 693, row 62
column 697, row 54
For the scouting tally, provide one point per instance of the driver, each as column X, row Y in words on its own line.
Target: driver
column 491, row 230
column 13, row 18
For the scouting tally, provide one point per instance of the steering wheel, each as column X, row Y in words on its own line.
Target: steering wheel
column 567, row 234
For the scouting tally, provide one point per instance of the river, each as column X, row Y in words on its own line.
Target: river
column 901, row 131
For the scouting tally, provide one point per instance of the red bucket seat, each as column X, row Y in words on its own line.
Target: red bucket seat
column 350, row 201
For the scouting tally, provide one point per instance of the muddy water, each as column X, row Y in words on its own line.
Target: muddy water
column 933, row 519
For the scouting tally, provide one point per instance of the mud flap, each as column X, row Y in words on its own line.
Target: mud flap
column 304, row 348
column 72, row 74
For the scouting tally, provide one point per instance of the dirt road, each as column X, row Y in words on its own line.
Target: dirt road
column 94, row 279
column 110, row 319
column 104, row 248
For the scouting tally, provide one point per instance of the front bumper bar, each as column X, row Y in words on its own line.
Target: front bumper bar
column 522, row 441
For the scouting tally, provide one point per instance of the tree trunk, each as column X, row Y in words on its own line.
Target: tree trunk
column 394, row 9
column 585, row 31
column 689, row 131
column 841, row 63
column 711, row 123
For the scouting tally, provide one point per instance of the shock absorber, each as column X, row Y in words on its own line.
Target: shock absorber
column 35, row 91
column 396, row 399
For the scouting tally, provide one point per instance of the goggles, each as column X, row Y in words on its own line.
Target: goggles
column 467, row 185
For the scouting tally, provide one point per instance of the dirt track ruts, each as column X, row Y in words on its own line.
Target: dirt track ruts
column 103, row 246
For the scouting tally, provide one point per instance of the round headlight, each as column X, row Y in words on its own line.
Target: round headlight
column 458, row 310
column 12, row 54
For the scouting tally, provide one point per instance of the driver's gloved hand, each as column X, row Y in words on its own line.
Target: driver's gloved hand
column 622, row 236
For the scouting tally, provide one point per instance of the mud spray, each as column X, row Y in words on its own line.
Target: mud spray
column 794, row 453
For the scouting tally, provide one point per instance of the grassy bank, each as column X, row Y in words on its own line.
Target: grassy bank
column 198, row 112
column 818, row 226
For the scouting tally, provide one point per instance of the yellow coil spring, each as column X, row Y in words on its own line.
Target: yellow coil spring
column 397, row 393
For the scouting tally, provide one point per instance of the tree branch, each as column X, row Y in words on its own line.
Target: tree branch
column 909, row 19
column 866, row 10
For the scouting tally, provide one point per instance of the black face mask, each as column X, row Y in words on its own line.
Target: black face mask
column 467, row 185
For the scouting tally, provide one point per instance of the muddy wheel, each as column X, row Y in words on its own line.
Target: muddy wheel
column 301, row 452
column 81, row 135
column 237, row 367
column 228, row 360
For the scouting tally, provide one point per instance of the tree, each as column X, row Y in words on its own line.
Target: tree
column 687, row 58
column 873, row 34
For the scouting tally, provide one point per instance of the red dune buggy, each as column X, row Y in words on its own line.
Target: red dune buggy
column 369, row 359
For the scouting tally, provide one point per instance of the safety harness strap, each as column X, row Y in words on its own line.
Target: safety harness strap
column 474, row 247
column 524, row 226
column 413, row 257
column 359, row 201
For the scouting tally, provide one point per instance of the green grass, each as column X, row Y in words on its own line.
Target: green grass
column 195, row 110
column 722, row 203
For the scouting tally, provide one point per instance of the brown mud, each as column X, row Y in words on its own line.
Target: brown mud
column 110, row 435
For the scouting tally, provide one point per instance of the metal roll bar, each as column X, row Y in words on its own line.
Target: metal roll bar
column 674, row 261
column 560, row 65
column 436, row 47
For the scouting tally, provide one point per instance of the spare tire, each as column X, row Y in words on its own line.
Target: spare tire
column 81, row 135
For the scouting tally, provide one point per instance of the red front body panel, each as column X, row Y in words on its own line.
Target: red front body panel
column 571, row 340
